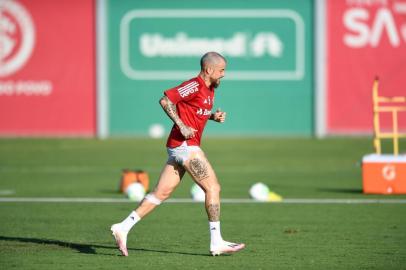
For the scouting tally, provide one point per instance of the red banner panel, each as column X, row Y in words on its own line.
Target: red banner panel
column 366, row 38
column 47, row 70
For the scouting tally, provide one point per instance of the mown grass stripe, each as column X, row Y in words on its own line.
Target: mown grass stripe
column 187, row 200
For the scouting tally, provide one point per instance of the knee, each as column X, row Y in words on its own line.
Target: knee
column 163, row 194
column 214, row 188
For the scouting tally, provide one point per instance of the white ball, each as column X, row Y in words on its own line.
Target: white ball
column 197, row 193
column 156, row 131
column 260, row 192
column 135, row 192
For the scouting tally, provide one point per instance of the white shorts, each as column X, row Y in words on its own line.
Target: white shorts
column 181, row 153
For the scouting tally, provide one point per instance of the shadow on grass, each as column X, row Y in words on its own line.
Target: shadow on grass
column 88, row 248
column 342, row 190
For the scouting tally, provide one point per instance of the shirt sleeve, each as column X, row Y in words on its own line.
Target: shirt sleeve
column 184, row 92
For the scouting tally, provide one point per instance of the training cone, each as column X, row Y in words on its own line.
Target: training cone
column 261, row 192
column 273, row 197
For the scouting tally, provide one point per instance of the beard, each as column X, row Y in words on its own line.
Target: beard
column 216, row 83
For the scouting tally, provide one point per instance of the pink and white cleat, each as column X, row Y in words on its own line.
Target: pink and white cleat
column 121, row 238
column 226, row 248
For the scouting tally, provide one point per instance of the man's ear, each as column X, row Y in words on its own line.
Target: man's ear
column 209, row 70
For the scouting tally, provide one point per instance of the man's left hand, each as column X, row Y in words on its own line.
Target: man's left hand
column 219, row 116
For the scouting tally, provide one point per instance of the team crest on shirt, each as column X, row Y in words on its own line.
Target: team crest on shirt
column 188, row 89
column 208, row 100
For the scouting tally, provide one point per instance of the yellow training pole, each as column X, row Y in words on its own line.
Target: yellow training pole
column 395, row 132
column 375, row 99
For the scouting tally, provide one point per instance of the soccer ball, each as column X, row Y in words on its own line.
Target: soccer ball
column 197, row 193
column 259, row 192
column 135, row 192
column 156, row 131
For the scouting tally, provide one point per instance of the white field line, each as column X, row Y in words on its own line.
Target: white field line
column 187, row 200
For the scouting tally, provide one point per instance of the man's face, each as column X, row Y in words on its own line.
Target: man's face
column 217, row 71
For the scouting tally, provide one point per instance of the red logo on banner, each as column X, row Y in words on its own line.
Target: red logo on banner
column 368, row 29
column 366, row 38
column 17, row 42
column 47, row 67
column 17, row 37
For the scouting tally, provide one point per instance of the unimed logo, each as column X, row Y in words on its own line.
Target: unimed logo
column 263, row 44
column 17, row 37
column 240, row 44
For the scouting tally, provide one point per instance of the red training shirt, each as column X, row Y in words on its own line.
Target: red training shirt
column 194, row 101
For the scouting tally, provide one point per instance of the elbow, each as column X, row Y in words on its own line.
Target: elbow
column 163, row 101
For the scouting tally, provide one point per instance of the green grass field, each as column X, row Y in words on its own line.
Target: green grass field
column 66, row 235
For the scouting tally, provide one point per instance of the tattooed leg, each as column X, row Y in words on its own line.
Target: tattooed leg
column 170, row 178
column 213, row 212
column 198, row 169
column 202, row 173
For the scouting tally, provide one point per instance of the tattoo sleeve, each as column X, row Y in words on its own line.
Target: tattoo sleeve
column 198, row 169
column 170, row 110
column 213, row 211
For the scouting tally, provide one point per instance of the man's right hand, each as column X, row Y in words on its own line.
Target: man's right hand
column 187, row 132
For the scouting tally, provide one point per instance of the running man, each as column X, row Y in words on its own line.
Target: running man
column 189, row 106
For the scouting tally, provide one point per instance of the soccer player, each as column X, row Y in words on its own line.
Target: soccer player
column 189, row 106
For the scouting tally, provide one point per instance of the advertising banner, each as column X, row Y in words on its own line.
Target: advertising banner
column 365, row 39
column 156, row 45
column 47, row 77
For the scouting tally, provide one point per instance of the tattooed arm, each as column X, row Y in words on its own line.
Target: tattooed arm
column 170, row 110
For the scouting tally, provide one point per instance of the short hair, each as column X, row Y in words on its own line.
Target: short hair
column 210, row 58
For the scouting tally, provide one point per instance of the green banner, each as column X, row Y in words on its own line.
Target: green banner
column 155, row 45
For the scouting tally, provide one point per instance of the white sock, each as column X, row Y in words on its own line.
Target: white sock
column 130, row 221
column 215, row 233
